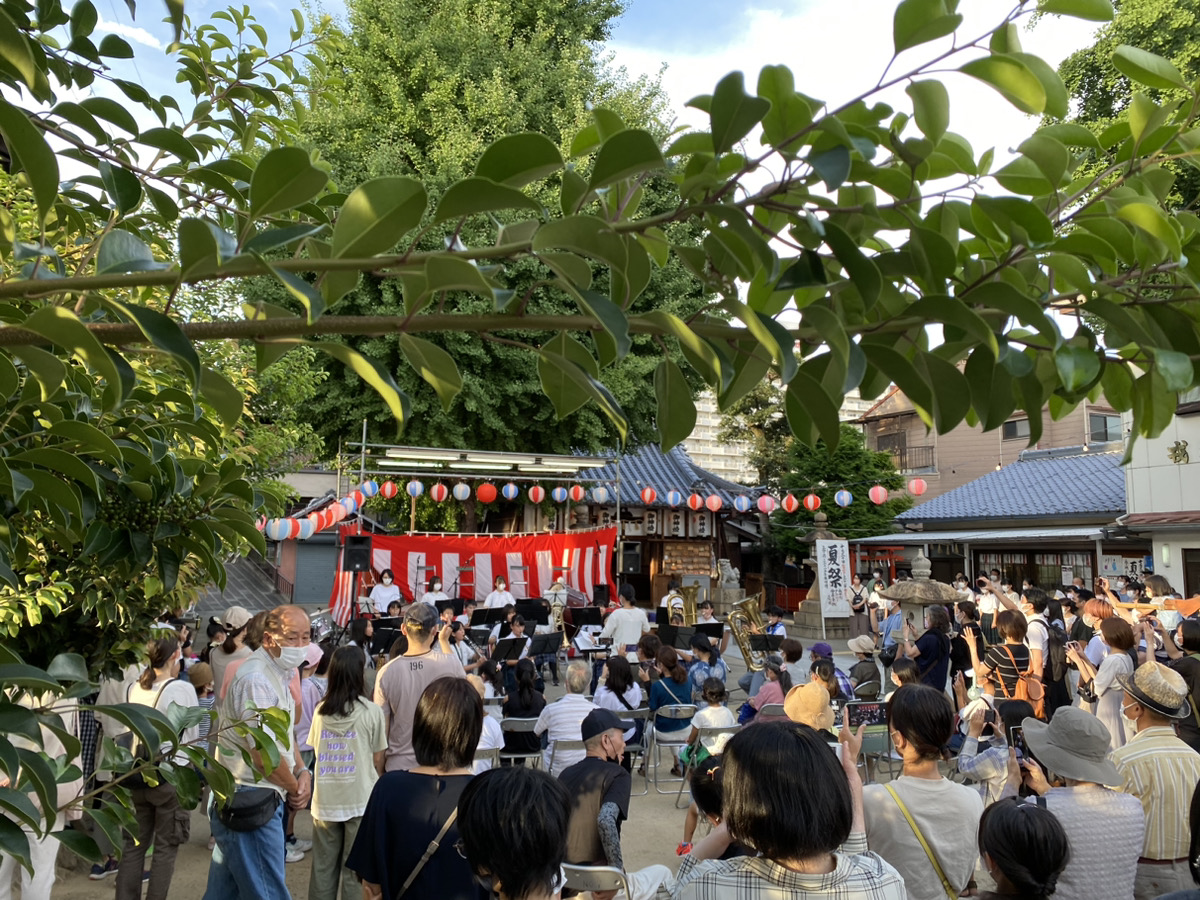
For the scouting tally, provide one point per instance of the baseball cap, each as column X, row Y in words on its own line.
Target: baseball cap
column 599, row 721
column 820, row 648
column 235, row 617
column 423, row 615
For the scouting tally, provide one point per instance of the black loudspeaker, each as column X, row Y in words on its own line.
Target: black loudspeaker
column 600, row 595
column 356, row 554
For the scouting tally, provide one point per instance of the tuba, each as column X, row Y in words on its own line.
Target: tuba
column 690, row 594
column 746, row 619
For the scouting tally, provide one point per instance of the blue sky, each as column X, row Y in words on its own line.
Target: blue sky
column 688, row 24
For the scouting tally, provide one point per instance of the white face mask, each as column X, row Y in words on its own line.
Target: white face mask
column 435, row 586
column 1132, row 722
column 387, row 579
column 500, row 585
column 291, row 657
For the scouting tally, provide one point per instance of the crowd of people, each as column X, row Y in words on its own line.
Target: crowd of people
column 1031, row 746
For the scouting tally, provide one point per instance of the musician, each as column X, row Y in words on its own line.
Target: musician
column 671, row 601
column 517, row 624
column 385, row 591
column 775, row 621
column 435, row 592
column 468, row 654
column 468, row 609
column 393, row 610
column 499, row 597
column 510, row 611
column 706, row 617
column 447, row 615
column 626, row 625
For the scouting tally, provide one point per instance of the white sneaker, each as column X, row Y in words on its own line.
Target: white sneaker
column 292, row 855
column 300, row 844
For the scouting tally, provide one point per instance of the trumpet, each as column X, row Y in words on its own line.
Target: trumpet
column 746, row 619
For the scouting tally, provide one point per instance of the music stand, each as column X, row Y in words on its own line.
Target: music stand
column 509, row 648
column 479, row 636
column 458, row 570
column 765, row 643
column 443, row 605
column 532, row 611
column 677, row 636
column 585, row 615
column 486, row 617
column 420, row 582
column 713, row 630
column 546, row 643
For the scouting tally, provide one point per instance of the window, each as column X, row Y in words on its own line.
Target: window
column 1050, row 569
column 1104, row 428
column 1017, row 429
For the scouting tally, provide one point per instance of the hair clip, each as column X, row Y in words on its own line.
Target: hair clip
column 710, row 771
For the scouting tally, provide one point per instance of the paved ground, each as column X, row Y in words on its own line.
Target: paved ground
column 650, row 835
column 246, row 585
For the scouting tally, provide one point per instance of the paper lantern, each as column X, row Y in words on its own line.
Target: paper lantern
column 260, row 523
column 766, row 504
column 307, row 528
column 537, row 494
column 917, row 486
column 510, row 491
column 878, row 494
column 359, row 498
column 742, row 503
column 277, row 529
column 486, row 493
column 337, row 512
column 388, row 489
column 600, row 495
column 649, row 495
column 695, row 501
column 348, row 504
column 713, row 502
column 439, row 492
column 462, row 491
column 790, row 504
column 369, row 488
column 843, row 498
column 577, row 493
column 812, row 502
column 674, row 498
column 559, row 494
column 414, row 488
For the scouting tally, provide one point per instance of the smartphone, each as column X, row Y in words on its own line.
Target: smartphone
column 989, row 717
column 1016, row 738
column 866, row 713
column 837, row 706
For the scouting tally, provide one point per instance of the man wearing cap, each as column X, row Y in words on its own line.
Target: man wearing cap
column 401, row 682
column 599, row 788
column 821, row 650
column 1162, row 772
column 1106, row 828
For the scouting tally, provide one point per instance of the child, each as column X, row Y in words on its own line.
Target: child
column 468, row 609
column 775, row 621
column 708, row 799
column 715, row 715
column 393, row 609
column 201, row 677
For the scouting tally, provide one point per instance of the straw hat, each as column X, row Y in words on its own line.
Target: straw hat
column 861, row 644
column 1074, row 745
column 809, row 705
column 1158, row 688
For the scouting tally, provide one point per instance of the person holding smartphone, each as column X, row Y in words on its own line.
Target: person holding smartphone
column 1103, row 682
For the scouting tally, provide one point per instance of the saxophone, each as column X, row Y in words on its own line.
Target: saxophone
column 746, row 619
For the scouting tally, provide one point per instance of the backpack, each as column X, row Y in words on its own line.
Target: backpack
column 127, row 740
column 1027, row 688
column 1054, row 665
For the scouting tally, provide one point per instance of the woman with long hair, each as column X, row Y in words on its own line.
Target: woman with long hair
column 620, row 693
column 672, row 689
column 160, row 819
column 410, row 810
column 923, row 802
column 525, row 702
column 345, row 773
column 1102, row 682
column 1024, row 848
column 774, row 689
column 493, row 679
column 932, row 649
column 706, row 664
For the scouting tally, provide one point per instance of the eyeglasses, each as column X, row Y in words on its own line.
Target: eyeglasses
column 461, row 848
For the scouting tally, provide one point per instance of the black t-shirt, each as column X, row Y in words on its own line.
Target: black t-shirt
column 1003, row 668
column 404, row 814
column 934, row 659
column 591, row 783
column 513, row 708
column 1189, row 668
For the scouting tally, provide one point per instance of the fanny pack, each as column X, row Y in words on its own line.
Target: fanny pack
column 249, row 810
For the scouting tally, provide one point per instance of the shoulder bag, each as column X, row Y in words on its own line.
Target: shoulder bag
column 951, row 893
column 127, row 740
column 427, row 855
column 1027, row 688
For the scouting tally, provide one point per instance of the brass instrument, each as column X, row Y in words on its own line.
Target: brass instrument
column 746, row 619
column 690, row 593
column 557, row 606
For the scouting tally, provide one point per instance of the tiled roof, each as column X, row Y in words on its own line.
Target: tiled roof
column 648, row 466
column 1037, row 485
column 1181, row 517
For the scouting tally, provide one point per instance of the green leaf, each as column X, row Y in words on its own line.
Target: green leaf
column 472, row 196
column 919, row 21
column 1077, row 366
column 1057, row 100
column 63, row 327
column 376, row 215
column 1154, row 222
column 82, row 119
column 449, row 273
column 588, row 235
column 16, row 52
column 569, row 348
column 1012, row 78
column 46, row 368
column 79, row 843
column 1022, row 221
column 676, row 409
column 1091, row 10
column 611, row 316
column 575, row 270
column 734, row 112
column 931, row 107
column 115, row 47
column 14, row 842
column 950, row 390
column 699, row 354
column 952, row 311
column 111, row 111
column 273, row 238
column 306, row 294
column 1147, row 68
column 626, row 153
column 83, row 19
column 516, row 160
column 122, row 252
column 221, row 396
column 860, row 269
column 164, row 333
column 171, row 141
column 124, row 188
column 789, row 114
column 833, row 165
column 811, row 412
column 434, row 365
column 1175, row 369
column 91, row 439
column 564, row 383
column 284, row 179
column 31, row 154
column 370, row 372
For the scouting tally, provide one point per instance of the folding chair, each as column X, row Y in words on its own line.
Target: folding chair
column 491, row 756
column 868, row 690
column 771, row 709
column 595, row 878
column 653, row 750
column 705, row 732
column 638, row 748
column 564, row 746
column 876, row 752
column 520, row 726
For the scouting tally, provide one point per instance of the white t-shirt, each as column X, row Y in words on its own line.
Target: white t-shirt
column 383, row 594
column 988, row 602
column 606, row 699
column 498, row 600
column 675, row 601
column 714, row 717
column 345, row 748
column 625, row 627
column 432, row 597
column 492, row 738
column 1035, row 637
column 174, row 691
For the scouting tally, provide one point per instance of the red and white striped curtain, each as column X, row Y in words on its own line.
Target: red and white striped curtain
column 583, row 559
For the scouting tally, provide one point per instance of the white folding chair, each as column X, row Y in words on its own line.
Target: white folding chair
column 595, row 878
column 566, row 745
column 710, row 732
column 491, row 755
column 679, row 711
column 520, row 726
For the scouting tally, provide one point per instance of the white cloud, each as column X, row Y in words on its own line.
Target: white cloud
column 131, row 32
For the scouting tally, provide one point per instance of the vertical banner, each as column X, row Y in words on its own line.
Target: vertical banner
column 833, row 573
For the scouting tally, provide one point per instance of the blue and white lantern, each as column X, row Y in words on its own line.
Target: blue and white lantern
column 600, row 495
column 741, row 503
column 369, row 488
column 415, row 488
column 843, row 498
column 559, row 494
column 510, row 491
column 461, row 491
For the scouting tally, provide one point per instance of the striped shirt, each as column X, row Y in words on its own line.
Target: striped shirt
column 562, row 720
column 857, row 875
column 1162, row 772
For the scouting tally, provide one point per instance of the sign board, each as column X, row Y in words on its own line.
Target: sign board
column 1112, row 566
column 833, row 574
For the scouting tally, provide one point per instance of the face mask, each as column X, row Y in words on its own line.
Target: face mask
column 387, row 580
column 500, row 586
column 1125, row 716
column 291, row 657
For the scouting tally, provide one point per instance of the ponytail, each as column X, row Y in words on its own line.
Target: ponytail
column 158, row 654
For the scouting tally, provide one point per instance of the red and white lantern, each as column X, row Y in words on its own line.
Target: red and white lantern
column 790, row 504
column 439, row 492
column 649, row 495
column 537, row 494
column 917, row 486
column 713, row 502
column 812, row 502
column 878, row 494
column 695, row 502
column 577, row 493
column 766, row 504
column 388, row 489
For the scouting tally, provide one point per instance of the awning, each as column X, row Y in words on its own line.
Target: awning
column 988, row 536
